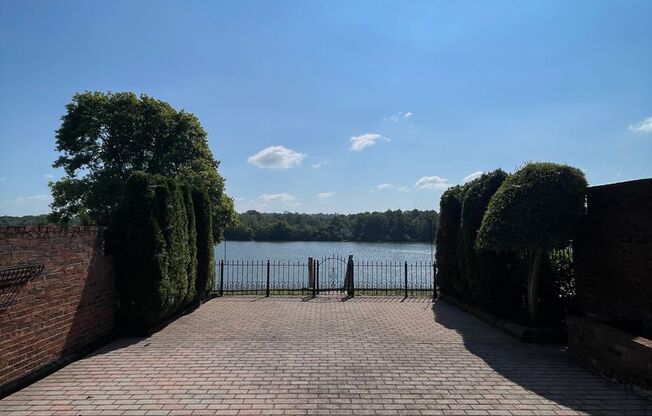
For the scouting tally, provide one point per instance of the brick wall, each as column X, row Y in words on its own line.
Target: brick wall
column 68, row 307
column 613, row 256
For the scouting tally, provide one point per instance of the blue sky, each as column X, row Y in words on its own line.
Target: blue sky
column 341, row 106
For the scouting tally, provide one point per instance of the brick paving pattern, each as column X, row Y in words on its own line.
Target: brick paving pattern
column 242, row 356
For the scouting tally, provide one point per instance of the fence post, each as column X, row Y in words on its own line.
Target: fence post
column 267, row 290
column 405, row 273
column 311, row 275
column 221, row 277
column 352, row 276
column 434, row 280
column 316, row 277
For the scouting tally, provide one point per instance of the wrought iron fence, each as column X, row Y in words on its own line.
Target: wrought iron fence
column 394, row 278
column 262, row 277
column 332, row 275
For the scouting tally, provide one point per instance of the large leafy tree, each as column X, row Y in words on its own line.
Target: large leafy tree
column 105, row 137
column 534, row 210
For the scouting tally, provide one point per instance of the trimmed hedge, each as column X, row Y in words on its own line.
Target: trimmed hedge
column 155, row 238
column 497, row 281
column 446, row 240
column 205, row 281
column 538, row 207
column 487, row 274
column 191, row 266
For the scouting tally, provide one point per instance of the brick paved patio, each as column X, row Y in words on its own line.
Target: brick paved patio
column 364, row 356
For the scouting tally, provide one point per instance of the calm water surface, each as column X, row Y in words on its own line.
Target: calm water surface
column 301, row 250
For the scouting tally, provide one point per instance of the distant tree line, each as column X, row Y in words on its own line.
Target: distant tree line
column 414, row 225
column 8, row 221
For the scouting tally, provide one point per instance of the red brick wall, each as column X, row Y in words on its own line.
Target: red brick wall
column 613, row 256
column 66, row 308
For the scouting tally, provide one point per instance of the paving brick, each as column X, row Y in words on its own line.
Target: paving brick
column 285, row 356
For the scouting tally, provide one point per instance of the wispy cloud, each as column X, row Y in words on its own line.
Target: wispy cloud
column 276, row 157
column 395, row 118
column 321, row 164
column 384, row 186
column 3, row 179
column 48, row 176
column 363, row 141
column 472, row 176
column 431, row 183
column 281, row 197
column 644, row 126
column 325, row 195
column 403, row 189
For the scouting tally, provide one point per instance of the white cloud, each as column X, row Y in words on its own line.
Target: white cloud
column 276, row 157
column 366, row 140
column 644, row 126
column 395, row 118
column 472, row 176
column 321, row 164
column 48, row 176
column 325, row 195
column 428, row 183
column 282, row 197
column 403, row 189
column 384, row 186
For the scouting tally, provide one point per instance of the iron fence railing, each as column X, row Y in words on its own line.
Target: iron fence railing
column 332, row 275
column 394, row 278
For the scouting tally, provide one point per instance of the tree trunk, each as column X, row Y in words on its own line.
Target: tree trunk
column 534, row 281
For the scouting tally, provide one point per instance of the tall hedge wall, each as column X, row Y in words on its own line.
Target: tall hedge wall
column 154, row 236
column 486, row 273
column 205, row 254
column 446, row 240
column 494, row 281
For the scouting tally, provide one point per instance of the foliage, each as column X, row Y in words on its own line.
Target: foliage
column 499, row 280
column 158, row 235
column 537, row 207
column 368, row 226
column 448, row 234
column 139, row 236
column 486, row 273
column 205, row 255
column 558, row 297
column 7, row 221
column 191, row 224
column 105, row 137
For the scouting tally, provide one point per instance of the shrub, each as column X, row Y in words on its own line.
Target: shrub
column 161, row 237
column 486, row 273
column 176, row 234
column 446, row 240
column 191, row 267
column 534, row 211
column 140, row 238
column 205, row 281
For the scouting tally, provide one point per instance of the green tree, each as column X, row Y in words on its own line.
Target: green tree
column 104, row 137
column 534, row 210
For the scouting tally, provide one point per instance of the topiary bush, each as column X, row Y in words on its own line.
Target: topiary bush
column 486, row 273
column 161, row 238
column 191, row 266
column 446, row 240
column 205, row 281
column 176, row 234
column 535, row 210
column 139, row 238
